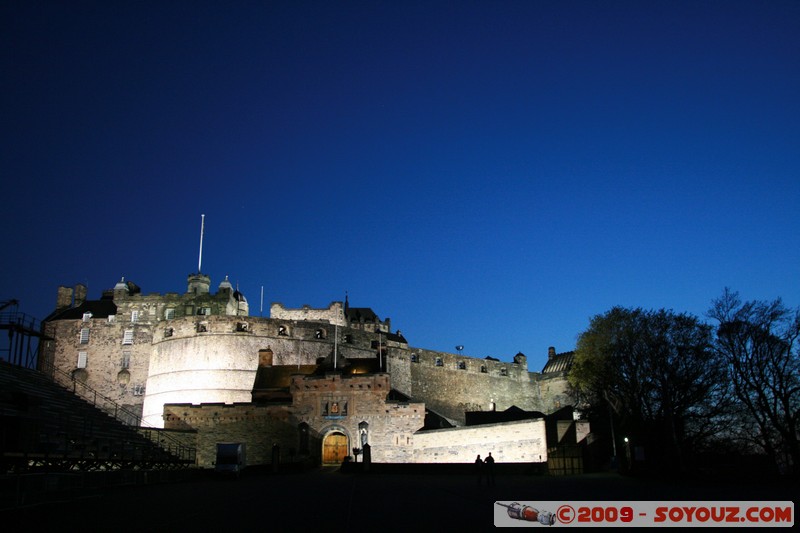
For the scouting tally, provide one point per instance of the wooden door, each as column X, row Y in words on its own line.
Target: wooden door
column 334, row 448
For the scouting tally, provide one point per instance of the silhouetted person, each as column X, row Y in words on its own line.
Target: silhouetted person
column 276, row 457
column 489, row 469
column 479, row 469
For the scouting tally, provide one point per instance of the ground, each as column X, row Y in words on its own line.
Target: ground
column 362, row 501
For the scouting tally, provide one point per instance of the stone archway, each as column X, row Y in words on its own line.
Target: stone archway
column 335, row 448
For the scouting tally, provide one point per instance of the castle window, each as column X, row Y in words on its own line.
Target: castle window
column 138, row 390
column 483, row 369
column 503, row 371
column 126, row 359
column 134, row 316
column 414, row 358
column 168, row 332
column 82, row 359
column 202, row 327
column 241, row 326
column 188, row 310
column 439, row 361
column 204, row 311
column 127, row 337
column 112, row 319
column 169, row 314
column 462, row 365
column 319, row 334
column 87, row 316
column 84, row 336
column 348, row 339
column 283, row 331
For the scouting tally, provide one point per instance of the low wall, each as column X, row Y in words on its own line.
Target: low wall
column 510, row 442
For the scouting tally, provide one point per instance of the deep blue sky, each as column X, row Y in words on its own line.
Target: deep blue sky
column 491, row 174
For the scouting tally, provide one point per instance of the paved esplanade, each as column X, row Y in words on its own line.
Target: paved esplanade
column 360, row 502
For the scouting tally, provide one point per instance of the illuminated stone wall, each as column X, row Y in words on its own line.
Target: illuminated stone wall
column 451, row 384
column 510, row 442
column 178, row 356
column 333, row 314
column 389, row 426
column 115, row 370
column 392, row 434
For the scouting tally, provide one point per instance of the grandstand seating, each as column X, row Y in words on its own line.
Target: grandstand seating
column 47, row 428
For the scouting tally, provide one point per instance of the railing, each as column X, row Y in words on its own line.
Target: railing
column 19, row 319
column 121, row 414
column 12, row 348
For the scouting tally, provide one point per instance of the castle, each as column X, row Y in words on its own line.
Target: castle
column 315, row 383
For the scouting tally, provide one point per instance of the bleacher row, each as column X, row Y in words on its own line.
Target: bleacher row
column 46, row 428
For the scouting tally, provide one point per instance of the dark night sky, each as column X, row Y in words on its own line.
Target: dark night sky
column 490, row 174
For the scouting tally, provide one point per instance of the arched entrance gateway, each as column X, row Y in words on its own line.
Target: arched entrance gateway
column 334, row 448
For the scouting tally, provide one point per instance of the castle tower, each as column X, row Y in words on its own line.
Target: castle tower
column 198, row 284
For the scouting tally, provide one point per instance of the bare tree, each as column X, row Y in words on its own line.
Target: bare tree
column 758, row 341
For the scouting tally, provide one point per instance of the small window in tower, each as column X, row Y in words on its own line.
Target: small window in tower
column 169, row 314
column 126, row 359
column 414, row 358
column 483, row 369
column 503, row 371
column 241, row 326
column 87, row 316
column 84, row 335
column 134, row 316
column 112, row 319
column 319, row 334
column 202, row 327
column 462, row 365
column 348, row 339
column 127, row 337
column 282, row 331
column 168, row 332
column 82, row 359
column 138, row 390
column 439, row 361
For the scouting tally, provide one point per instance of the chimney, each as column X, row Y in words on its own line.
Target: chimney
column 64, row 298
column 551, row 352
column 80, row 294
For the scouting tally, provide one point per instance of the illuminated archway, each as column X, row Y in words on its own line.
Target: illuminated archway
column 335, row 447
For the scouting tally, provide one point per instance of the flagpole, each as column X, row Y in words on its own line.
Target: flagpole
column 200, row 258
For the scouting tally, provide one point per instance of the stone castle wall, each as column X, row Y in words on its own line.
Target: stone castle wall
column 451, row 384
column 170, row 361
column 158, row 350
column 116, row 370
column 509, row 442
column 389, row 426
column 262, row 427
column 334, row 314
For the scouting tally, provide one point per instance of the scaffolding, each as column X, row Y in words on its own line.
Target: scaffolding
column 21, row 346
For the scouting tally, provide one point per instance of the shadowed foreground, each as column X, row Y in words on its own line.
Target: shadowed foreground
column 329, row 497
